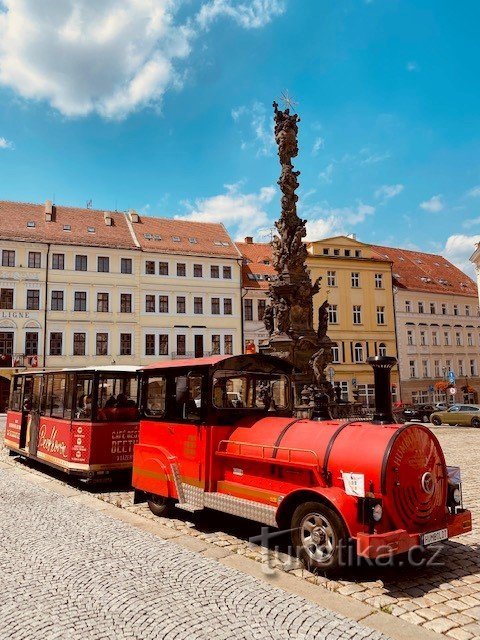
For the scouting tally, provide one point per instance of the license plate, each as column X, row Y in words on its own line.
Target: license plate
column 434, row 536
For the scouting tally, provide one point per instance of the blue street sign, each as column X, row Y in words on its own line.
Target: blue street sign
column 451, row 377
column 431, row 388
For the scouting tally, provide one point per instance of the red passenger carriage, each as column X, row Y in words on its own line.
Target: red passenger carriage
column 219, row 432
column 81, row 421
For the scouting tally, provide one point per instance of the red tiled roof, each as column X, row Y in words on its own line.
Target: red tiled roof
column 255, row 255
column 417, row 271
column 195, row 238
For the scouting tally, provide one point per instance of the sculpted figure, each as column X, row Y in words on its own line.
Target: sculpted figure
column 268, row 319
column 323, row 320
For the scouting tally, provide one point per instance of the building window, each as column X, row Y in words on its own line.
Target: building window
column 343, row 386
column 227, row 273
column 436, row 368
column 149, row 344
column 421, row 308
column 150, row 267
column 58, row 261
column 358, row 253
column 357, row 314
column 458, row 338
column 228, row 345
column 336, row 252
column 227, row 306
column 215, row 344
column 358, row 352
column 162, row 304
column 103, row 264
column 382, row 349
column 262, row 305
column 33, row 299
column 335, row 353
column 197, row 270
column 163, row 268
column 126, row 265
column 150, row 303
column 433, row 308
column 467, row 310
column 102, row 344
column 444, row 309
column 56, row 340
column 470, row 339
column 163, row 344
column 181, row 344
column 461, row 371
column 380, row 315
column 80, row 301
column 355, row 279
column 197, row 305
column 379, row 281
column 435, row 338
column 181, row 269
column 125, row 303
column 215, row 306
column 410, row 338
column 423, row 339
column 31, row 343
column 248, row 309
column 447, row 338
column 81, row 263
column 125, row 344
column 6, row 298
column 408, row 306
column 181, row 304
column 57, row 301
column 102, row 302
column 8, row 258
column 34, row 260
column 79, row 344
column 473, row 367
column 332, row 314
column 331, row 278
column 455, row 309
column 413, row 369
column 215, row 271
column 425, row 369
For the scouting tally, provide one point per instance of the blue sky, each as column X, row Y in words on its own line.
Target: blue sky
column 165, row 107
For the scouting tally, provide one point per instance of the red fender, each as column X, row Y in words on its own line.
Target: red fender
column 152, row 470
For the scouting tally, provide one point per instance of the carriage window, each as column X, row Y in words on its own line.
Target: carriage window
column 58, row 396
column 188, row 396
column 232, row 390
column 83, row 398
column 16, row 394
column 117, row 399
column 155, row 397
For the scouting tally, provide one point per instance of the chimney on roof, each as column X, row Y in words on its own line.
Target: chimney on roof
column 49, row 211
column 107, row 216
column 134, row 217
column 249, row 240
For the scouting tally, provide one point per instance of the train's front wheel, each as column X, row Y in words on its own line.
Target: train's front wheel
column 319, row 537
column 158, row 505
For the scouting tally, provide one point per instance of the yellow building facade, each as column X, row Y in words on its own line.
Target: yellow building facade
column 358, row 286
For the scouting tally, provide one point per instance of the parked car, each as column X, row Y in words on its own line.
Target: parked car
column 440, row 406
column 461, row 414
column 420, row 412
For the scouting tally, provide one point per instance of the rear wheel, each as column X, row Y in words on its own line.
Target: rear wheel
column 319, row 537
column 158, row 505
column 436, row 421
column 476, row 422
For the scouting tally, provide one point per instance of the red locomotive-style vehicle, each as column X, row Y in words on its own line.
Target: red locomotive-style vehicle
column 218, row 432
column 82, row 421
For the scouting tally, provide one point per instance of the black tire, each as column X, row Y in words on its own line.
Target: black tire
column 328, row 553
column 436, row 421
column 158, row 505
column 476, row 422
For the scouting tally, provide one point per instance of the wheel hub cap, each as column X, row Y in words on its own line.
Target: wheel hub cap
column 317, row 536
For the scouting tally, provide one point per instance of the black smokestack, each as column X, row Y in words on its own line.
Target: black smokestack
column 382, row 366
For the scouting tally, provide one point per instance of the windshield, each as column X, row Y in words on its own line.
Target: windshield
column 250, row 390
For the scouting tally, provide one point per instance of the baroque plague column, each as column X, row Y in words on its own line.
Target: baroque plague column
column 289, row 316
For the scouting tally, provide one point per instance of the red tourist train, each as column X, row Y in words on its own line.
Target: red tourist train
column 82, row 421
column 219, row 432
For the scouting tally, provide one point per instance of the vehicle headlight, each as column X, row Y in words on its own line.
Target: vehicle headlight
column 377, row 512
column 457, row 496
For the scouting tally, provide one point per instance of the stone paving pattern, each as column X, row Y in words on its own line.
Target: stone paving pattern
column 72, row 572
column 444, row 597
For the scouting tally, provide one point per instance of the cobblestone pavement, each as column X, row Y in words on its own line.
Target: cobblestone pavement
column 68, row 571
column 443, row 596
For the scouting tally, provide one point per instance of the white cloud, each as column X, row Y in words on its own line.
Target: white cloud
column 474, row 193
column 250, row 15
column 472, row 222
column 6, row 144
column 323, row 221
column 434, row 205
column 412, row 66
column 387, row 191
column 373, row 158
column 257, row 126
column 109, row 57
column 326, row 174
column 458, row 250
column 317, row 145
column 243, row 214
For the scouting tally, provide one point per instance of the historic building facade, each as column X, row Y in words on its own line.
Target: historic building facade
column 80, row 286
column 438, row 327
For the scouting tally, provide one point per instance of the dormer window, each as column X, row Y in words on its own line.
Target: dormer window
column 176, row 238
column 31, row 224
column 193, row 240
column 91, row 229
column 67, row 227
